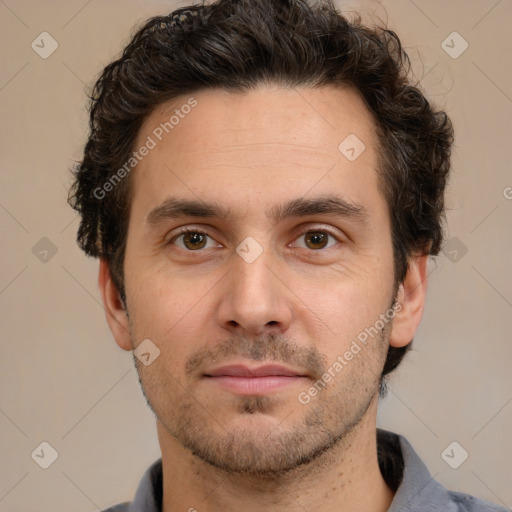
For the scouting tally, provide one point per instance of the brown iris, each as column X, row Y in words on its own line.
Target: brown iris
column 196, row 240
column 316, row 239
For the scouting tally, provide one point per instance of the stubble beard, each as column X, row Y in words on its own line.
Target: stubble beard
column 269, row 449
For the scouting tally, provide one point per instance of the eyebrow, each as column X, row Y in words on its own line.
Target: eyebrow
column 175, row 208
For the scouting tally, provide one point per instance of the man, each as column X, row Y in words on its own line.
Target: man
column 263, row 187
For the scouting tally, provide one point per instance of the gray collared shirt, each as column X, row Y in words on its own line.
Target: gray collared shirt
column 403, row 470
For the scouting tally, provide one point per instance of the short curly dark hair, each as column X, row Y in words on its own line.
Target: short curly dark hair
column 237, row 45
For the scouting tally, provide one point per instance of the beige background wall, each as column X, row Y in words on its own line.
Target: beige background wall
column 62, row 378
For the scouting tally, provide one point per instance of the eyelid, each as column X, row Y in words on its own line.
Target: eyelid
column 320, row 228
column 304, row 230
column 187, row 229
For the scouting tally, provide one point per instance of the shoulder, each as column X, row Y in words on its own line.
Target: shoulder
column 467, row 503
column 148, row 497
column 417, row 490
column 121, row 507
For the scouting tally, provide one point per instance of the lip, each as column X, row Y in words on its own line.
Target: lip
column 244, row 380
column 240, row 370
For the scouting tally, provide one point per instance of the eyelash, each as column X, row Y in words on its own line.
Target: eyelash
column 185, row 231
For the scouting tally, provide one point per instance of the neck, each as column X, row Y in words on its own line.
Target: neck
column 345, row 478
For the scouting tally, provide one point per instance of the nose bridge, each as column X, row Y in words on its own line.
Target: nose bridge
column 254, row 299
column 253, row 276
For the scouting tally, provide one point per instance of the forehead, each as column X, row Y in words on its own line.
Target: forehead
column 269, row 142
column 315, row 115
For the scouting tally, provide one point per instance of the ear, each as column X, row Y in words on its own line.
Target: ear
column 410, row 302
column 117, row 317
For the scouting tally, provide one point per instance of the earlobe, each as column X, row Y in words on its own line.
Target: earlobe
column 116, row 315
column 410, row 302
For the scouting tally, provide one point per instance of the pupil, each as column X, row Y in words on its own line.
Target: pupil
column 317, row 238
column 194, row 239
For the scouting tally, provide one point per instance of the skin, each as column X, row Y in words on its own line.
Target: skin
column 300, row 303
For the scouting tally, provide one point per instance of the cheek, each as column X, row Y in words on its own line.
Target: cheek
column 344, row 302
column 341, row 316
column 172, row 310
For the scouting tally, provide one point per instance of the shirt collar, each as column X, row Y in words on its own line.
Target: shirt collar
column 418, row 491
column 149, row 495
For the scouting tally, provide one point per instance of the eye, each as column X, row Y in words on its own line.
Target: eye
column 192, row 240
column 317, row 239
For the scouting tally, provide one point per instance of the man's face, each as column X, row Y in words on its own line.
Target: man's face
column 250, row 312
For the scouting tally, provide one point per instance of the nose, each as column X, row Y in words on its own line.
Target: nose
column 255, row 301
